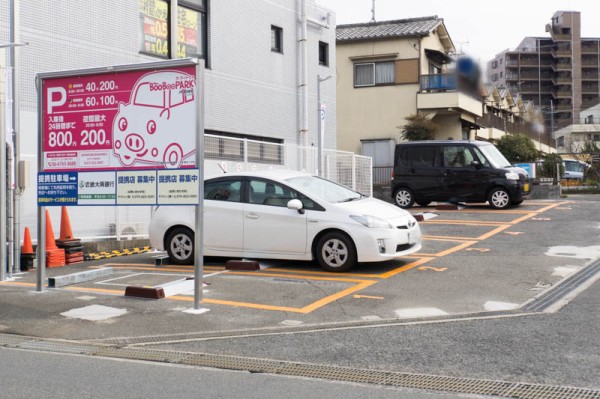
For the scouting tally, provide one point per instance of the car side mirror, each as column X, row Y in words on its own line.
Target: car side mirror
column 297, row 205
column 476, row 164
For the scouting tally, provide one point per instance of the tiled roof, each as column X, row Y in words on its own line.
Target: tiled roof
column 388, row 29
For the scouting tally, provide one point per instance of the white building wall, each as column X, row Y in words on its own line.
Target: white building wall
column 250, row 90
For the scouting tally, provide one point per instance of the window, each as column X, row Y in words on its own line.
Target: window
column 373, row 74
column 276, row 39
column 192, row 30
column 589, row 119
column 417, row 157
column 494, row 64
column 457, row 156
column 266, row 192
column 323, row 54
column 223, row 190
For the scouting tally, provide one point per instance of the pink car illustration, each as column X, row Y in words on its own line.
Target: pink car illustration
column 157, row 126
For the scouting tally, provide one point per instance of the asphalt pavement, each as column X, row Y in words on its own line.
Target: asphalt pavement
column 459, row 310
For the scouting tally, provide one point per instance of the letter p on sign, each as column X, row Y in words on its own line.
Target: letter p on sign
column 56, row 100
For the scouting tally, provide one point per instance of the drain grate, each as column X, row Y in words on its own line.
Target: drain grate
column 568, row 285
column 334, row 373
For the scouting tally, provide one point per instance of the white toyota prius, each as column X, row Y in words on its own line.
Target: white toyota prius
column 280, row 214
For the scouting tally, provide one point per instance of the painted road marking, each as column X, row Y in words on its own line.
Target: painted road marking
column 367, row 297
column 435, row 269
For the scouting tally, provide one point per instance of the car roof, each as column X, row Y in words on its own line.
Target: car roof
column 275, row 174
column 424, row 142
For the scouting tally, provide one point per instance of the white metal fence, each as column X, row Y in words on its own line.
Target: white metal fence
column 221, row 153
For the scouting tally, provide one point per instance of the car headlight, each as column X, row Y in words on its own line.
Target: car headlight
column 512, row 176
column 371, row 221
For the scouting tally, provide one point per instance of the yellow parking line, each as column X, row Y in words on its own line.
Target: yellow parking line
column 405, row 268
column 465, row 223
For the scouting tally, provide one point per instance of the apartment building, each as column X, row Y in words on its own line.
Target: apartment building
column 390, row 69
column 262, row 58
column 560, row 73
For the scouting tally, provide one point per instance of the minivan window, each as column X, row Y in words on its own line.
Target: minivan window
column 482, row 158
column 494, row 156
column 420, row 156
column 457, row 156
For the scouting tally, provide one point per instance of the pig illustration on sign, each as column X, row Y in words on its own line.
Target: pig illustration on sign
column 157, row 126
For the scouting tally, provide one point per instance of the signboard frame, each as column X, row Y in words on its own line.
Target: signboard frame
column 41, row 78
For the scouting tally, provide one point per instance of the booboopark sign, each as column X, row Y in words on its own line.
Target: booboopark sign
column 125, row 124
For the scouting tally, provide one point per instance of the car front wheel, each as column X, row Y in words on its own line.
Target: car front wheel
column 404, row 198
column 336, row 252
column 499, row 198
column 180, row 246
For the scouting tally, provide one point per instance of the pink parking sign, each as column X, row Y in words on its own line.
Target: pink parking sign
column 137, row 119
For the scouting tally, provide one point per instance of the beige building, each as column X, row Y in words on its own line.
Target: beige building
column 391, row 69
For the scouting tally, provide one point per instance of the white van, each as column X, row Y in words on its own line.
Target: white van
column 574, row 169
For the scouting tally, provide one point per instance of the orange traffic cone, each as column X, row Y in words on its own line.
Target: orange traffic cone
column 65, row 225
column 27, row 248
column 50, row 242
column 72, row 246
column 27, row 254
column 54, row 256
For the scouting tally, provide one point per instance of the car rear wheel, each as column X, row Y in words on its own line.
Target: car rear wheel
column 336, row 252
column 404, row 198
column 499, row 198
column 180, row 246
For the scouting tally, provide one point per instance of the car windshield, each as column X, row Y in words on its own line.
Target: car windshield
column 324, row 189
column 494, row 156
column 573, row 166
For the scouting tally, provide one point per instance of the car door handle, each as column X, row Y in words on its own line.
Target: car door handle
column 252, row 216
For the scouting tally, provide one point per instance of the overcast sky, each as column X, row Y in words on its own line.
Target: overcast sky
column 480, row 28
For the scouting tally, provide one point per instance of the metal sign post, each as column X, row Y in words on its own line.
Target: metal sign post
column 199, row 236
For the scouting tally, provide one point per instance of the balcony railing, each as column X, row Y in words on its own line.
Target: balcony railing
column 561, row 66
column 561, row 94
column 561, row 80
column 561, row 53
column 589, row 49
column 496, row 122
column 438, row 83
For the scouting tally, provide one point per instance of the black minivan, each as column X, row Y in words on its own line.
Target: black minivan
column 456, row 171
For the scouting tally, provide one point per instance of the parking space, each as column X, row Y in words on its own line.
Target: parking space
column 463, row 267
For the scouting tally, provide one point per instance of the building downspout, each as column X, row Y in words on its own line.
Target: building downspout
column 14, row 212
column 303, row 79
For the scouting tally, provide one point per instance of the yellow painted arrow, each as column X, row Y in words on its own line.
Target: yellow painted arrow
column 367, row 297
column 435, row 269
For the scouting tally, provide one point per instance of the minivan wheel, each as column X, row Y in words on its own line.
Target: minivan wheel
column 336, row 252
column 180, row 246
column 404, row 198
column 499, row 198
